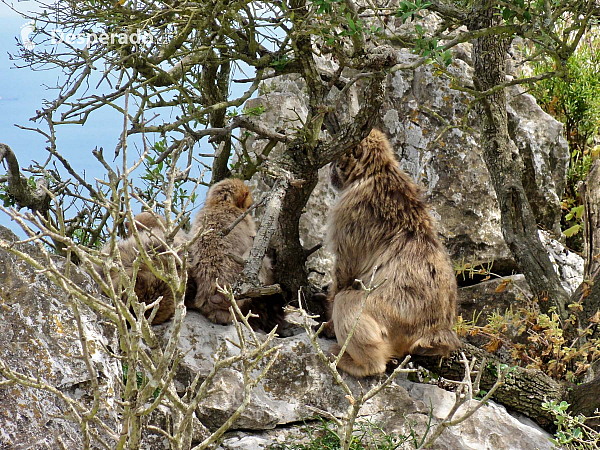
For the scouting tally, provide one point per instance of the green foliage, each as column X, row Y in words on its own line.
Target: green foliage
column 575, row 101
column 325, row 6
column 280, row 63
column 83, row 237
column 335, row 21
column 425, row 46
column 572, row 432
column 574, row 215
column 410, row 11
column 155, row 178
column 535, row 340
column 517, row 11
column 256, row 111
column 7, row 199
column 430, row 48
column 368, row 436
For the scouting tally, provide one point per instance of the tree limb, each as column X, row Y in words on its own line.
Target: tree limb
column 249, row 276
column 590, row 194
column 26, row 196
column 523, row 390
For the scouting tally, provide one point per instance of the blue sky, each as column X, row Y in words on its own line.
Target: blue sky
column 21, row 94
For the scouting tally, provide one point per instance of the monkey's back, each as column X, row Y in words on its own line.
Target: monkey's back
column 214, row 256
column 148, row 287
column 386, row 214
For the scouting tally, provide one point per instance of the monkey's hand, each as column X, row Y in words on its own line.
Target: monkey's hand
column 328, row 330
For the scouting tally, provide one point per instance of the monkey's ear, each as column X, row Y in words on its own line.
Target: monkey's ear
column 357, row 151
column 241, row 201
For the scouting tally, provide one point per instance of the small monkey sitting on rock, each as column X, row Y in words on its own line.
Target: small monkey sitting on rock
column 148, row 287
column 212, row 258
column 381, row 222
column 216, row 258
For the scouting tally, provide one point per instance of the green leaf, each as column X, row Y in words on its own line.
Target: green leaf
column 351, row 24
column 572, row 231
column 578, row 211
column 563, row 405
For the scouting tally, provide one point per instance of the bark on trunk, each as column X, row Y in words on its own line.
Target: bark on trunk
column 590, row 193
column 505, row 167
column 25, row 195
column 590, row 290
column 524, row 390
column 584, row 400
column 215, row 88
column 290, row 265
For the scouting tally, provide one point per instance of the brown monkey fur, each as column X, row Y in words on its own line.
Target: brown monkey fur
column 148, row 287
column 381, row 220
column 148, row 221
column 214, row 257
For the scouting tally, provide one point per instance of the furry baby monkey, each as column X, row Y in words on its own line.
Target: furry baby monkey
column 148, row 287
column 215, row 257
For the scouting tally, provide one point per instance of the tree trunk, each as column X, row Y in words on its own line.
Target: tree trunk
column 215, row 88
column 290, row 264
column 523, row 391
column 505, row 167
column 583, row 399
column 591, row 304
column 590, row 193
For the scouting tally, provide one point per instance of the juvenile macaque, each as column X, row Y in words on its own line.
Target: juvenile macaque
column 381, row 220
column 148, row 221
column 217, row 258
column 148, row 287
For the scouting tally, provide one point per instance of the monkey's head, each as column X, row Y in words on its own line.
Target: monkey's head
column 147, row 219
column 232, row 191
column 371, row 155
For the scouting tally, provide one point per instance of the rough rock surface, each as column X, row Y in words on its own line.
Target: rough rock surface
column 567, row 264
column 481, row 299
column 39, row 338
column 298, row 380
column 545, row 155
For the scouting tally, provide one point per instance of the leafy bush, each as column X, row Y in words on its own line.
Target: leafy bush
column 571, row 432
column 155, row 181
column 575, row 101
column 536, row 340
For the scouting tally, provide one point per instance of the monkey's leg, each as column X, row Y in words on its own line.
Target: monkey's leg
column 166, row 308
column 214, row 307
column 436, row 342
column 369, row 349
column 149, row 288
column 328, row 329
